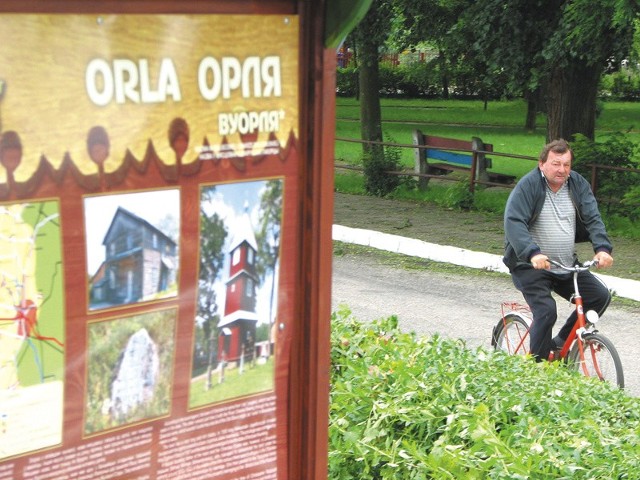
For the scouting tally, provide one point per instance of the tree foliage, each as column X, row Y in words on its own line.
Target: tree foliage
column 268, row 236
column 560, row 47
column 433, row 21
column 552, row 52
column 212, row 237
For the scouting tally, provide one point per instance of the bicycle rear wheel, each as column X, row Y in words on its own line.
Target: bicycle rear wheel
column 601, row 359
column 511, row 334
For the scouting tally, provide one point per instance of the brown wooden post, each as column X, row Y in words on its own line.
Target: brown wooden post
column 472, row 172
column 420, row 165
column 594, row 178
column 479, row 162
column 309, row 377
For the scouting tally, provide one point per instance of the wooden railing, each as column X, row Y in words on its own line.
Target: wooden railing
column 472, row 172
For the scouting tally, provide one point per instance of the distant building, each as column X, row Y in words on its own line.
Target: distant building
column 140, row 262
column 237, row 328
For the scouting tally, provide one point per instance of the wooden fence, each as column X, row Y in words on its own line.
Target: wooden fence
column 471, row 173
column 476, row 154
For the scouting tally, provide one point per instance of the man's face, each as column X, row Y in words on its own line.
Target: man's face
column 556, row 169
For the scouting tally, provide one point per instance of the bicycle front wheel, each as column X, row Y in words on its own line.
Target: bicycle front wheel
column 511, row 335
column 601, row 359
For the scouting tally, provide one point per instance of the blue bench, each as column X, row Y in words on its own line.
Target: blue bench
column 447, row 161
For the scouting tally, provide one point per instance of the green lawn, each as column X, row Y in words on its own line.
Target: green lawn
column 501, row 124
column 259, row 378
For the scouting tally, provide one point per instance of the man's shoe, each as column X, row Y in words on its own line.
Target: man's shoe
column 556, row 345
column 558, row 342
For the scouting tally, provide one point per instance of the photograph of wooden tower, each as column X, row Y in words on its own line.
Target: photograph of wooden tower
column 237, row 328
column 233, row 346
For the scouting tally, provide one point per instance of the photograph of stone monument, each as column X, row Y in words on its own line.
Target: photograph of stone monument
column 237, row 290
column 129, row 369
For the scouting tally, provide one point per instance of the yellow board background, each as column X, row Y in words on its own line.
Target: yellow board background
column 43, row 59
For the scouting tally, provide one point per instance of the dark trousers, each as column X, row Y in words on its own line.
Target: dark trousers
column 536, row 287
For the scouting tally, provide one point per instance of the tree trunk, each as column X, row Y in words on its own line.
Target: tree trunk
column 370, row 113
column 444, row 74
column 571, row 101
column 533, row 102
column 530, row 122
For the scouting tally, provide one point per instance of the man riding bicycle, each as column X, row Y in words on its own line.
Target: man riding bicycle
column 549, row 210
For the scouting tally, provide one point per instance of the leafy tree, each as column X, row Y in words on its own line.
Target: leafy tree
column 587, row 38
column 369, row 37
column 480, row 34
column 558, row 47
column 432, row 21
column 212, row 236
column 553, row 52
column 268, row 236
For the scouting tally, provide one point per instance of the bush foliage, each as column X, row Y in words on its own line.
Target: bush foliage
column 616, row 190
column 424, row 79
column 377, row 163
column 404, row 407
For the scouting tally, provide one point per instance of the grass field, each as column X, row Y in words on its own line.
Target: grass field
column 501, row 124
column 256, row 379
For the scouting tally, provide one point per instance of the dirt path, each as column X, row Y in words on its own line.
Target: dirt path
column 470, row 230
column 456, row 305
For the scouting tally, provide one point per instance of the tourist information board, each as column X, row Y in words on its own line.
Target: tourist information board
column 150, row 232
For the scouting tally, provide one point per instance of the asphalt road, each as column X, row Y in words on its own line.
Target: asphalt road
column 459, row 306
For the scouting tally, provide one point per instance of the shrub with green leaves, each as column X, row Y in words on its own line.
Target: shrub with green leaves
column 615, row 151
column 457, row 196
column 404, row 407
column 346, row 82
column 377, row 164
column 631, row 204
column 622, row 85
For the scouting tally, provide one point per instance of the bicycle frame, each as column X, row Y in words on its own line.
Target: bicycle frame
column 587, row 350
column 580, row 325
column 579, row 328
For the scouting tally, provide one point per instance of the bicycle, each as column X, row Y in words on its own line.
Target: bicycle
column 585, row 349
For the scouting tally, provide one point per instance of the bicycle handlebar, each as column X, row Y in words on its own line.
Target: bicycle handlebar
column 576, row 268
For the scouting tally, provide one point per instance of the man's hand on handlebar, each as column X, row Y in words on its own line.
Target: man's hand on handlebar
column 540, row 262
column 603, row 259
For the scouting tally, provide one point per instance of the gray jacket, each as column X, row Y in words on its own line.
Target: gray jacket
column 524, row 205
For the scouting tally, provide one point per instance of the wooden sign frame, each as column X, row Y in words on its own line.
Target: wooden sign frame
column 68, row 194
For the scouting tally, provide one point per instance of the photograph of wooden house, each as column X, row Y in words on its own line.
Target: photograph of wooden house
column 132, row 247
column 239, row 260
